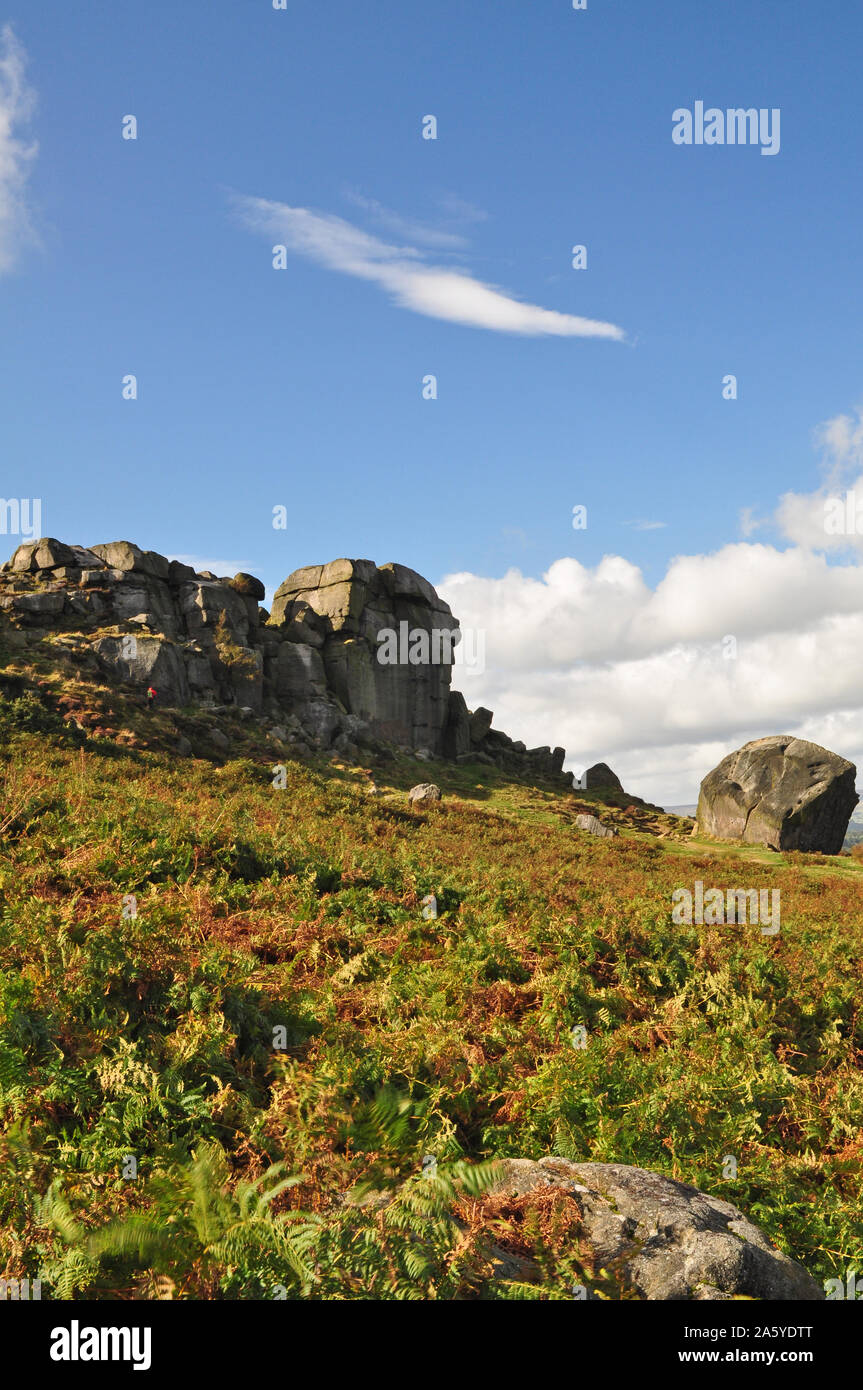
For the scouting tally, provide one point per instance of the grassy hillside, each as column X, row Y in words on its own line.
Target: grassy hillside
column 406, row 1040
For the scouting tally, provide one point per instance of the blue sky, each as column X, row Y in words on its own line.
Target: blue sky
column 302, row 386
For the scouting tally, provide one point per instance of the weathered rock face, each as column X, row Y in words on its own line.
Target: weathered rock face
column 471, row 739
column 661, row 1239
column 351, row 655
column 595, row 827
column 385, row 640
column 601, row 775
column 781, row 792
column 424, row 794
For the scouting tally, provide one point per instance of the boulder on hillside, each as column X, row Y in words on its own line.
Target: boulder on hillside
column 780, row 792
column 601, row 775
column 595, row 827
column 655, row 1238
column 424, row 794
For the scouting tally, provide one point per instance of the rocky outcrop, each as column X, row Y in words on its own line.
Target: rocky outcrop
column 383, row 641
column 652, row 1237
column 780, row 792
column 601, row 776
column 351, row 655
column 487, row 745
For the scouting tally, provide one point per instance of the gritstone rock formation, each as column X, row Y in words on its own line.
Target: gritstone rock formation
column 424, row 794
column 662, row 1239
column 351, row 655
column 601, row 775
column 593, row 826
column 781, row 792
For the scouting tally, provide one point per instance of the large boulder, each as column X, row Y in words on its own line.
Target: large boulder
column 654, row 1238
column 595, row 827
column 51, row 554
column 248, row 585
column 337, row 592
column 43, row 554
column 123, row 555
column 424, row 794
column 480, row 724
column 24, row 558
column 781, row 792
column 601, row 775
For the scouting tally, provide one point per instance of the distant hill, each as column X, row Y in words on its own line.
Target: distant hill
column 854, row 833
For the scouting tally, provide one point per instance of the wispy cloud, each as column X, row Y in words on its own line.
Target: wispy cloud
column 801, row 516
column 451, row 205
column 841, row 442
column 435, row 291
column 436, row 237
column 749, row 522
column 646, row 525
column 17, row 102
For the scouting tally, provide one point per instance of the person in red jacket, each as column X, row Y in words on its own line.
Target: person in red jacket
column 151, row 697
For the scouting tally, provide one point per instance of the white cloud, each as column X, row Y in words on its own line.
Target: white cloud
column 459, row 209
column 749, row 522
column 842, row 442
column 802, row 517
column 17, row 102
column 435, row 291
column 598, row 662
column 406, row 227
column 219, row 567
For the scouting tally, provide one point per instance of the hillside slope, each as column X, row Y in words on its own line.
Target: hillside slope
column 209, row 974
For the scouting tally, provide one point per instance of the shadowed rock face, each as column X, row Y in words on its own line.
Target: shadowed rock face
column 601, row 775
column 780, row 792
column 351, row 655
column 661, row 1238
column 386, row 642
